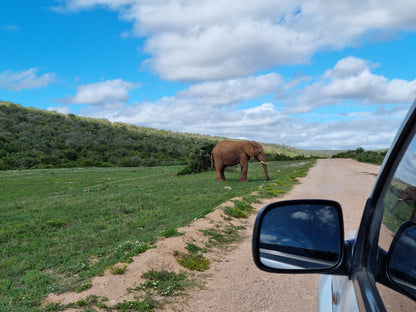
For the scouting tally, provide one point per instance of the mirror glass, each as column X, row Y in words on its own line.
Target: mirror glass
column 402, row 263
column 301, row 237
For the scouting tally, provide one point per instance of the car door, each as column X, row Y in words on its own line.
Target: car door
column 378, row 265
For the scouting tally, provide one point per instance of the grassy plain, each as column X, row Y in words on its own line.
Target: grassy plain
column 60, row 227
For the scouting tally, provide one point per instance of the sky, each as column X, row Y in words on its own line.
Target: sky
column 307, row 74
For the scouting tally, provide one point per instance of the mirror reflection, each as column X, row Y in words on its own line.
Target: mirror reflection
column 402, row 264
column 301, row 237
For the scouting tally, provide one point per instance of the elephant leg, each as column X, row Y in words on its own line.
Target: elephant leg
column 220, row 173
column 243, row 175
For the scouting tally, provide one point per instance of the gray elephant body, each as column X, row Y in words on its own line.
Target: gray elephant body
column 230, row 153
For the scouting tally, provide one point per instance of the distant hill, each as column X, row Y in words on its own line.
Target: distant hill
column 34, row 138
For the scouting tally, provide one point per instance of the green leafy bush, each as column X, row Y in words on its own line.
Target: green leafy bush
column 372, row 157
column 199, row 160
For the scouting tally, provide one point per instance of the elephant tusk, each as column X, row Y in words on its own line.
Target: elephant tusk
column 263, row 162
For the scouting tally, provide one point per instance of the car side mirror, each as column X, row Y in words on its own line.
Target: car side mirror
column 299, row 236
column 401, row 259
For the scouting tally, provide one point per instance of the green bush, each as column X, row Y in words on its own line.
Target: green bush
column 199, row 160
column 372, row 157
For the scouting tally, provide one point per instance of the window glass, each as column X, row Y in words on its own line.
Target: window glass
column 399, row 207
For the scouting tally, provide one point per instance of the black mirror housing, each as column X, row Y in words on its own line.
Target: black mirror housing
column 299, row 236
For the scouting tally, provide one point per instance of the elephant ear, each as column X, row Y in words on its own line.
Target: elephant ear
column 249, row 148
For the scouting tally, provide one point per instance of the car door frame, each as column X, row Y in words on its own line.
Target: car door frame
column 368, row 261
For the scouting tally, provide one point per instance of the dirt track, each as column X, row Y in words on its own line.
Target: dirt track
column 234, row 284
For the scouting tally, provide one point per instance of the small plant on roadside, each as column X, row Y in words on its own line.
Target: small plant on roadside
column 118, row 269
column 230, row 234
column 171, row 232
column 53, row 307
column 147, row 304
column 235, row 212
column 86, row 304
column 128, row 249
column 84, row 287
column 243, row 205
column 165, row 283
column 193, row 262
column 272, row 191
column 241, row 209
column 194, row 249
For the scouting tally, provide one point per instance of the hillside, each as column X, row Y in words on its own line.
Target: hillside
column 34, row 138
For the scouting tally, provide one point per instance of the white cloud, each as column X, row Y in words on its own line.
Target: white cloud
column 109, row 94
column 352, row 79
column 231, row 92
column 17, row 81
column 199, row 40
column 215, row 108
column 207, row 108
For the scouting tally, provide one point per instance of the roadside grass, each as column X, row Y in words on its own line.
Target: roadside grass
column 61, row 227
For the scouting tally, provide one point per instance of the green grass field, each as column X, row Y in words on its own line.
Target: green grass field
column 60, row 227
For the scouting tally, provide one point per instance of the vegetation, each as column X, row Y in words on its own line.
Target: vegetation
column 241, row 209
column 372, row 157
column 199, row 160
column 60, row 227
column 32, row 138
column 118, row 268
column 193, row 261
column 171, row 232
column 147, row 304
column 35, row 139
column 166, row 283
column 92, row 302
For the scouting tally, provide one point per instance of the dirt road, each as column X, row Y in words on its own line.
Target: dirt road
column 237, row 285
column 234, row 283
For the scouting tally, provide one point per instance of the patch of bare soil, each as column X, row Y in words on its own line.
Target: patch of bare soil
column 233, row 282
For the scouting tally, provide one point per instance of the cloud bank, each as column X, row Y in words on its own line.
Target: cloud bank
column 213, row 107
column 210, row 40
column 229, row 54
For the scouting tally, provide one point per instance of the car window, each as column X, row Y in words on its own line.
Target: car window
column 399, row 207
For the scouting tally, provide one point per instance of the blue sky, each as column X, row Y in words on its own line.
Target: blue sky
column 309, row 74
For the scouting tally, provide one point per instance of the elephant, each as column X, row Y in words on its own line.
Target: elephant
column 230, row 153
column 408, row 194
